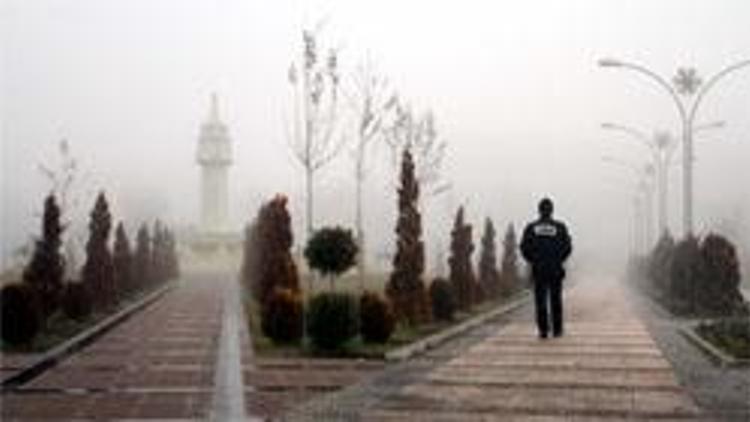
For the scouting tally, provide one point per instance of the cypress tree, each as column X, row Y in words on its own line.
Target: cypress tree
column 172, row 260
column 46, row 269
column 461, row 271
column 98, row 270
column 267, row 259
column 142, row 262
column 489, row 276
column 158, row 264
column 509, row 275
column 405, row 288
column 123, row 262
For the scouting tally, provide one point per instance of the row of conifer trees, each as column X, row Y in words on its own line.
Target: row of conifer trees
column 109, row 276
column 270, row 275
column 693, row 276
column 413, row 303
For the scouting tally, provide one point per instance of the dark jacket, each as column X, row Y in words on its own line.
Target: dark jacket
column 546, row 245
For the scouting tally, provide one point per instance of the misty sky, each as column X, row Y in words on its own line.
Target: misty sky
column 514, row 86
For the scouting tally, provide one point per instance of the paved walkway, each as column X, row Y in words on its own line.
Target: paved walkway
column 606, row 367
column 187, row 356
column 159, row 364
column 181, row 358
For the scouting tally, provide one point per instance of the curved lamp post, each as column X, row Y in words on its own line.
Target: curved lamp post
column 645, row 185
column 661, row 146
column 686, row 83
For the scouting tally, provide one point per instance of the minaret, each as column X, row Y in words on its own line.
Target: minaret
column 214, row 156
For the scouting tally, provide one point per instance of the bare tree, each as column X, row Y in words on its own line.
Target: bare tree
column 65, row 182
column 419, row 134
column 370, row 98
column 310, row 134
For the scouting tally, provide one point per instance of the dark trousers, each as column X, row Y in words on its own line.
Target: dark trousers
column 548, row 291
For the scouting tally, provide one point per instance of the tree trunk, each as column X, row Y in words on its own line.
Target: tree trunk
column 309, row 216
column 359, row 223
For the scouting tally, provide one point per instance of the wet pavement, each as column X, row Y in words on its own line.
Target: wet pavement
column 189, row 357
column 606, row 367
column 158, row 364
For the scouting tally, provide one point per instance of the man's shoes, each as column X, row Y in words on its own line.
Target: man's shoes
column 542, row 336
column 557, row 333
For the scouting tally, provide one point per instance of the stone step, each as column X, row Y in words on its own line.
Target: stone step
column 562, row 349
column 563, row 361
column 618, row 378
column 382, row 415
column 560, row 401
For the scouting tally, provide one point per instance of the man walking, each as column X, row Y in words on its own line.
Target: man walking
column 545, row 246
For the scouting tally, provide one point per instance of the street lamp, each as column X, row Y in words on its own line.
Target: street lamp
column 686, row 83
column 645, row 185
column 661, row 147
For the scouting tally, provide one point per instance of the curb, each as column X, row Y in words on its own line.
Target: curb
column 79, row 341
column 434, row 340
column 724, row 359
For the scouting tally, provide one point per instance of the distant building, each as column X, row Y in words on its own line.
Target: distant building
column 214, row 155
column 214, row 233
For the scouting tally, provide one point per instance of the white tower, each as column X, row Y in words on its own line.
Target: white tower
column 214, row 156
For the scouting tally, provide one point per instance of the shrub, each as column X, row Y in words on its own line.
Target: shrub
column 719, row 289
column 659, row 263
column 443, row 300
column 76, row 301
column 281, row 316
column 685, row 274
column 21, row 318
column 267, row 262
column 376, row 319
column 332, row 251
column 730, row 335
column 332, row 319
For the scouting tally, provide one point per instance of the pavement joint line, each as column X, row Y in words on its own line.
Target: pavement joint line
column 228, row 402
column 568, row 414
column 552, row 385
column 565, row 353
column 557, row 367
column 433, row 405
column 52, row 357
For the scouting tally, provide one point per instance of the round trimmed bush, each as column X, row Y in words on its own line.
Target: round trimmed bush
column 376, row 319
column 332, row 251
column 21, row 315
column 332, row 320
column 76, row 301
column 281, row 316
column 443, row 300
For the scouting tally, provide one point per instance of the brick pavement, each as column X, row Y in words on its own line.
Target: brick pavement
column 606, row 367
column 159, row 364
column 163, row 364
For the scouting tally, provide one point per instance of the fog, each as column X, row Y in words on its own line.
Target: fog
column 514, row 86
